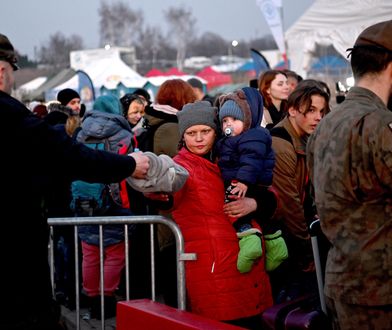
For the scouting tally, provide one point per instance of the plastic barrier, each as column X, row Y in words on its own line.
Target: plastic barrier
column 144, row 314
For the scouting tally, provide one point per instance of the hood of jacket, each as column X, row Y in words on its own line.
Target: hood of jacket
column 101, row 125
column 251, row 103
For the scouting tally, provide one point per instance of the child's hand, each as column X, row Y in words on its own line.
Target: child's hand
column 239, row 189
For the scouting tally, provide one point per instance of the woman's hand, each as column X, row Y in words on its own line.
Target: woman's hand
column 240, row 207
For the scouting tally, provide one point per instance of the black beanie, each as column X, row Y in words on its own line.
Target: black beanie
column 198, row 113
column 66, row 95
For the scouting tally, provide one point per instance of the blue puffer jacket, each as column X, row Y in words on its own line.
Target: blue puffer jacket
column 106, row 122
column 247, row 157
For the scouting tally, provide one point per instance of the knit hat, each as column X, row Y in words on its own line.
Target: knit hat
column 108, row 104
column 377, row 35
column 7, row 52
column 40, row 110
column 66, row 95
column 231, row 109
column 198, row 113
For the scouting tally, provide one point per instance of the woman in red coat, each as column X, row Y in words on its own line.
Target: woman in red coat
column 215, row 288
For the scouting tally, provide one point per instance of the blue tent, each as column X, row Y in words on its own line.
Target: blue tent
column 330, row 63
column 247, row 66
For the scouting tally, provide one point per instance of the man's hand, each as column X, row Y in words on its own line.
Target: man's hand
column 240, row 207
column 142, row 165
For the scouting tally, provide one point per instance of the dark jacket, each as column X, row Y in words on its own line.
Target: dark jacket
column 163, row 128
column 247, row 157
column 33, row 155
column 58, row 114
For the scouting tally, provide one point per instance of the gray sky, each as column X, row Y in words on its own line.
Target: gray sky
column 30, row 23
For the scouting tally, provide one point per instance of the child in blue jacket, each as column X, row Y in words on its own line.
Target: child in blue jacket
column 246, row 160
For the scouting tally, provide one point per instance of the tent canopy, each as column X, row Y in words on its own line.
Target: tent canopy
column 337, row 23
column 61, row 77
column 174, row 72
column 154, row 73
column 109, row 73
column 214, row 78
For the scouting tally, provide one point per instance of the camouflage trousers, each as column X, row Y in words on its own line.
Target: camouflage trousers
column 359, row 317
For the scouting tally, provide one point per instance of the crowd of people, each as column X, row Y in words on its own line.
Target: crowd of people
column 243, row 175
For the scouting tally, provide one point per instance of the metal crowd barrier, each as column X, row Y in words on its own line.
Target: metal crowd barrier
column 152, row 220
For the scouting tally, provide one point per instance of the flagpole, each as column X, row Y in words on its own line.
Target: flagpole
column 279, row 4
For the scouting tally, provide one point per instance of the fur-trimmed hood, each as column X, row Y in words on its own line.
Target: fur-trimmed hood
column 251, row 103
column 58, row 114
column 52, row 107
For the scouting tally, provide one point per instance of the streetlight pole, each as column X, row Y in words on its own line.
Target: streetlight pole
column 233, row 44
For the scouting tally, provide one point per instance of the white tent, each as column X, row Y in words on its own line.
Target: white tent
column 32, row 84
column 332, row 22
column 108, row 73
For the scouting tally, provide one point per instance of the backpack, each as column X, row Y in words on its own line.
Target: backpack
column 145, row 141
column 90, row 199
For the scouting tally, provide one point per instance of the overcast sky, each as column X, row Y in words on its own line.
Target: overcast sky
column 30, row 23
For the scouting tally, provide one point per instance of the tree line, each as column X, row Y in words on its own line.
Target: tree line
column 122, row 26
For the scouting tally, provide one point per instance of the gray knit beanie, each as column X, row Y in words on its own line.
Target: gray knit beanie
column 231, row 109
column 198, row 113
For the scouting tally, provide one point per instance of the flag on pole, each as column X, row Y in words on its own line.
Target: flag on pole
column 260, row 63
column 271, row 12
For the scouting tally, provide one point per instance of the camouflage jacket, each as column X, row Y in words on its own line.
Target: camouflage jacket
column 350, row 162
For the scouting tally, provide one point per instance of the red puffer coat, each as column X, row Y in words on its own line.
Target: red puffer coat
column 215, row 288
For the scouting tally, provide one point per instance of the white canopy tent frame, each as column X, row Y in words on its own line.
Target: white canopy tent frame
column 332, row 22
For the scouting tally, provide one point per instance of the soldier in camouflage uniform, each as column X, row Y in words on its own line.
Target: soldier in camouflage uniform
column 350, row 162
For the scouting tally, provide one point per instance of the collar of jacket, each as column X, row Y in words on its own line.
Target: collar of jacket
column 299, row 142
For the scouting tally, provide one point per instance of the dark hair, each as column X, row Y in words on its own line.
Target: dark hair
column 176, row 93
column 293, row 74
column 142, row 92
column 369, row 59
column 196, row 83
column 302, row 95
column 126, row 101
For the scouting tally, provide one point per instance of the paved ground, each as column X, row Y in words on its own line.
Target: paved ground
column 70, row 320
